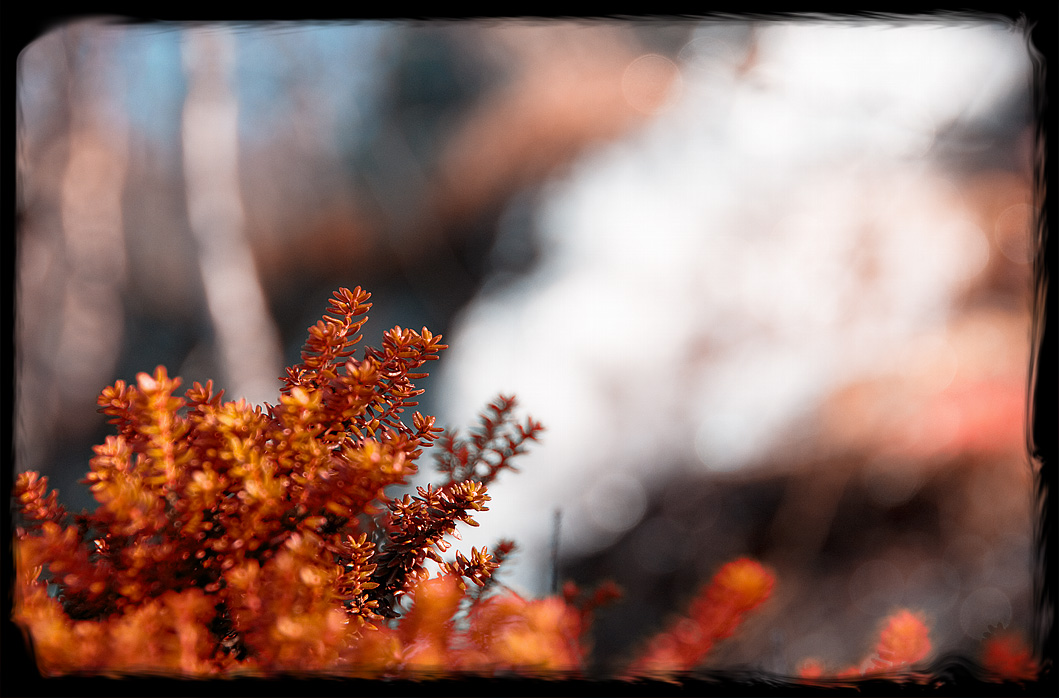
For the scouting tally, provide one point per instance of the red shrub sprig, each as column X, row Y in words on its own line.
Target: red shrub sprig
column 331, row 340
column 491, row 446
column 904, row 641
column 716, row 611
column 1007, row 657
column 36, row 505
column 417, row 529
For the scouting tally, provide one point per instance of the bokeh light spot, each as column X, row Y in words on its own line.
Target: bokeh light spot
column 649, row 82
column 1012, row 231
column 937, row 583
column 616, row 503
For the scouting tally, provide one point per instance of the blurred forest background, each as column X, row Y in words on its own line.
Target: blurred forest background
column 767, row 284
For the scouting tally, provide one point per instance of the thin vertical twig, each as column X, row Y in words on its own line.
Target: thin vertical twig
column 556, row 526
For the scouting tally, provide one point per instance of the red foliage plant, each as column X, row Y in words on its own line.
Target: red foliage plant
column 738, row 588
column 903, row 642
column 232, row 539
column 1007, row 657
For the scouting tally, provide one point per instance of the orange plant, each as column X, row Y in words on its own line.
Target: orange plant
column 1007, row 657
column 230, row 538
column 717, row 610
column 903, row 642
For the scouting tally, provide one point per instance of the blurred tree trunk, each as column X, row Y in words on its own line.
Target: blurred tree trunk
column 246, row 338
column 72, row 267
